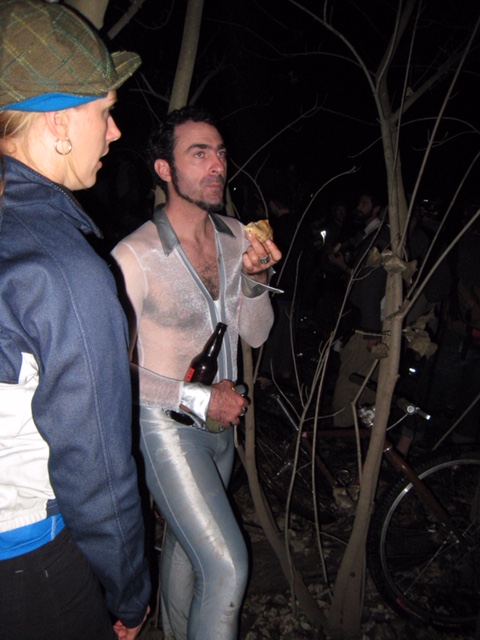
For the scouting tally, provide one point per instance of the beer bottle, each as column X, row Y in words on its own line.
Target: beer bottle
column 203, row 368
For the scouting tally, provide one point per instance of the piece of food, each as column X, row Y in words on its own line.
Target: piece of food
column 261, row 229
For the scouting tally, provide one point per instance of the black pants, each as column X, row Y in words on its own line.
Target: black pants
column 52, row 594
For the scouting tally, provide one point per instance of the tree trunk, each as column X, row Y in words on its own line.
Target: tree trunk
column 267, row 520
column 185, row 66
column 188, row 55
column 347, row 606
column 125, row 19
column 93, row 10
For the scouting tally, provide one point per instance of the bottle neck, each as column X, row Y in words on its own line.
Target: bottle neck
column 214, row 343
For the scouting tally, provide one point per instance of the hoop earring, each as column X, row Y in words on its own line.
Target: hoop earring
column 67, row 142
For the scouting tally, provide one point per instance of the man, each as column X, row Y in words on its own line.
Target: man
column 366, row 295
column 185, row 271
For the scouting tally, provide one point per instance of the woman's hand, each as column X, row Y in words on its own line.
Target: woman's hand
column 129, row 633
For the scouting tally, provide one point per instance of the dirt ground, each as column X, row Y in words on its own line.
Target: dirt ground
column 268, row 612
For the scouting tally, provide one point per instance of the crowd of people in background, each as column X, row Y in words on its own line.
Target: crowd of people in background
column 324, row 254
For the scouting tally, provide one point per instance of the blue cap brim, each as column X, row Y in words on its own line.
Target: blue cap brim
column 50, row 102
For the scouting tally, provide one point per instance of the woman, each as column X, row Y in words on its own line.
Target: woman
column 71, row 532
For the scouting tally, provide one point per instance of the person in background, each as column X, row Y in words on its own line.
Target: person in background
column 424, row 248
column 332, row 231
column 71, row 529
column 365, row 298
column 185, row 271
column 277, row 357
column 332, row 282
column 450, row 386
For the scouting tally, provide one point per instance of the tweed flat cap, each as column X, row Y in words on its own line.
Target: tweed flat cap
column 48, row 49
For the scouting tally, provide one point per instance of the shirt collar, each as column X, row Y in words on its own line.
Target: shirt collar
column 168, row 236
column 371, row 226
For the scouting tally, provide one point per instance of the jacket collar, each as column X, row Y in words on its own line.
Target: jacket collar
column 25, row 186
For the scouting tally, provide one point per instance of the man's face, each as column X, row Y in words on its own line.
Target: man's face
column 339, row 213
column 364, row 210
column 200, row 165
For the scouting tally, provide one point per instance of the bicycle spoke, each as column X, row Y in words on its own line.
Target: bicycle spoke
column 422, row 568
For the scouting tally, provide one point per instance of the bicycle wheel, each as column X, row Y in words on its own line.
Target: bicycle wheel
column 275, row 449
column 418, row 567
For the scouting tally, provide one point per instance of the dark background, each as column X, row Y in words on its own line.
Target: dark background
column 271, row 62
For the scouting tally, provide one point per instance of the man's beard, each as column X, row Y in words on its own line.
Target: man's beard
column 360, row 217
column 209, row 207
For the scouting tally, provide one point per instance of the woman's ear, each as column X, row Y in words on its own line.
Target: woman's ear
column 162, row 169
column 57, row 124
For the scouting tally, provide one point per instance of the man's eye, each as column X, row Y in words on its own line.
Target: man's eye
column 222, row 154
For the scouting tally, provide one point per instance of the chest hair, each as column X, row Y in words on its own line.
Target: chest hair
column 204, row 260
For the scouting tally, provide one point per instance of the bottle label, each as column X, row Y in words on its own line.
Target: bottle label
column 189, row 374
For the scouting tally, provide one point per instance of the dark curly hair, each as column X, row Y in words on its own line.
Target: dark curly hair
column 161, row 142
column 377, row 198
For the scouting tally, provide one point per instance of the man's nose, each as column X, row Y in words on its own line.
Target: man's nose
column 218, row 165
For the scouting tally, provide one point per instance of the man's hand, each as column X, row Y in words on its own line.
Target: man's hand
column 128, row 633
column 372, row 342
column 337, row 258
column 226, row 405
column 259, row 257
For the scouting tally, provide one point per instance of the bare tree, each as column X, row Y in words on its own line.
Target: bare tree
column 185, row 65
column 347, row 604
column 93, row 10
column 187, row 56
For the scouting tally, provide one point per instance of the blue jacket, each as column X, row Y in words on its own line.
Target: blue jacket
column 59, row 310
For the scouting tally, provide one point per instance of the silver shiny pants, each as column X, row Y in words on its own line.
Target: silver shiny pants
column 204, row 560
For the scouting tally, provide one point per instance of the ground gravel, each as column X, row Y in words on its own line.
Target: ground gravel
column 269, row 612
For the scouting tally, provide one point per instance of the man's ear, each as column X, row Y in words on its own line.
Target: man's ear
column 162, row 169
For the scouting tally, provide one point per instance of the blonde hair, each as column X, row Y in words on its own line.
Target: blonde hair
column 15, row 125
column 14, row 128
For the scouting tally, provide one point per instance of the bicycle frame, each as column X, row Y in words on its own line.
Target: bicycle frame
column 389, row 451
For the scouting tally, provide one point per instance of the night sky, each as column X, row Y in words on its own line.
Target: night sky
column 269, row 66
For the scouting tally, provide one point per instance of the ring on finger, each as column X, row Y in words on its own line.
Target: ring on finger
column 265, row 259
